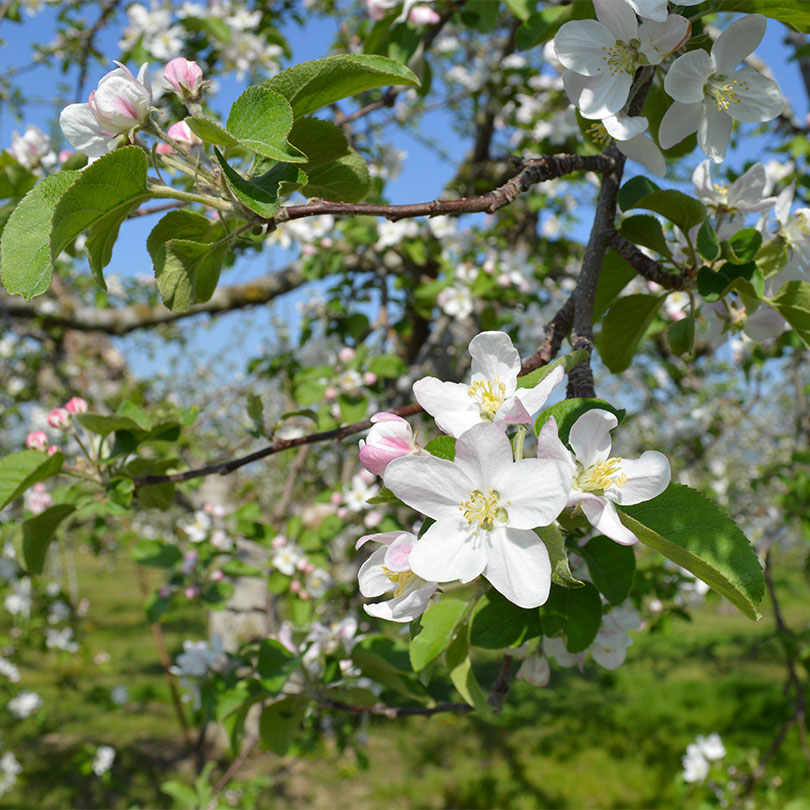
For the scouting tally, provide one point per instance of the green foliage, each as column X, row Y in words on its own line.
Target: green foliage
column 21, row 470
column 25, row 256
column 210, row 131
column 645, row 230
column 542, row 25
column 635, row 189
column 692, row 531
column 574, row 612
column 387, row 661
column 567, row 412
column 321, row 141
column 708, row 244
column 681, row 335
column 795, row 15
column 742, row 247
column 38, row 532
column 280, row 722
column 792, row 302
column 615, row 275
column 461, row 674
column 558, row 556
column 261, row 120
column 679, row 208
column 343, row 180
column 567, row 361
column 442, row 447
column 496, row 623
column 259, row 194
column 745, row 278
column 155, row 553
column 435, row 632
column 187, row 272
column 624, row 327
column 275, row 665
column 612, row 567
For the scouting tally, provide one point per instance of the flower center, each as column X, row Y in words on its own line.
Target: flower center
column 490, row 395
column 725, row 93
column 598, row 477
column 402, row 579
column 484, row 509
column 598, row 132
column 621, row 58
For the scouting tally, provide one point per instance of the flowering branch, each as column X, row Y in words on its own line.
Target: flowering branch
column 647, row 267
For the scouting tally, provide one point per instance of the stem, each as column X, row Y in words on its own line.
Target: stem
column 519, row 438
column 169, row 193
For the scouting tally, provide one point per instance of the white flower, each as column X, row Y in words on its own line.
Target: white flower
column 119, row 695
column 602, row 55
column 656, row 9
column 117, row 107
column 731, row 203
column 328, row 639
column 24, row 704
column 318, row 581
column 485, row 506
column 709, row 92
column 711, row 747
column 609, row 648
column 599, row 481
column 358, row 492
column 102, row 762
column 198, row 657
column 695, row 765
column 9, row 768
column 628, row 132
column 32, row 149
column 492, row 395
column 61, row 640
column 535, row 670
column 456, row 301
column 18, row 603
column 388, row 569
column 9, row 670
column 285, row 559
column 795, row 230
column 197, row 529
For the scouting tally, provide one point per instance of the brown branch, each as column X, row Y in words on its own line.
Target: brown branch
column 556, row 331
column 500, row 687
column 231, row 772
column 533, row 170
column 392, row 712
column 647, row 267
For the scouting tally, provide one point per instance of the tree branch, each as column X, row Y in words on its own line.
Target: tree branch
column 556, row 331
column 647, row 267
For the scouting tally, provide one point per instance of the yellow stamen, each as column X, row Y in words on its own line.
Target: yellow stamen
column 620, row 58
column 400, row 578
column 725, row 93
column 483, row 509
column 598, row 477
column 490, row 395
column 598, row 132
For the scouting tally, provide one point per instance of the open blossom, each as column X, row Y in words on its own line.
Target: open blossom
column 535, row 670
column 32, row 149
column 602, row 55
column 197, row 529
column 485, row 506
column 628, row 133
column 185, row 76
column 390, row 437
column 492, row 395
column 388, row 569
column 656, row 9
column 9, row 768
column 609, row 648
column 794, row 228
column 359, row 491
column 709, row 92
column 600, row 481
column 699, row 756
column 25, row 704
column 117, row 107
column 103, row 760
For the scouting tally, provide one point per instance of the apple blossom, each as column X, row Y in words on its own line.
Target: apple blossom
column 492, row 395
column 485, row 506
column 197, row 529
column 103, row 760
column 346, row 354
column 59, row 418
column 535, row 670
column 656, row 9
column 628, row 134
column 387, row 569
column 607, row 51
column 185, row 77
column 599, row 481
column 285, row 558
column 709, row 92
column 795, row 230
column 423, row 15
column 359, row 491
column 33, row 148
column 609, row 648
column 76, row 405
column 390, row 437
column 117, row 107
column 38, row 440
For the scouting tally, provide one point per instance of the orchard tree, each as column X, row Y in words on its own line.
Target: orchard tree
column 486, row 508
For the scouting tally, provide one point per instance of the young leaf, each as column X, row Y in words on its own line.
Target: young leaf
column 568, row 361
column 681, row 335
column 25, row 256
column 321, row 141
column 623, row 328
column 187, row 272
column 560, row 566
column 280, row 721
column 182, row 225
column 462, row 676
column 155, row 553
column 312, row 85
column 567, row 412
column 645, row 230
column 496, row 623
column 104, row 424
column 261, row 120
column 437, row 626
column 792, row 302
column 745, row 278
column 275, row 665
column 743, row 246
column 38, row 532
column 575, row 612
column 542, row 25
column 442, row 447
column 708, row 244
column 343, row 180
column 615, row 275
column 687, row 528
column 679, row 208
column 635, row 189
column 24, row 469
column 612, row 567
column 210, row 131
column 387, row 661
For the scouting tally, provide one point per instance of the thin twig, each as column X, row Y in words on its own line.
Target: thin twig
column 647, row 267
column 500, row 687
column 392, row 712
column 231, row 772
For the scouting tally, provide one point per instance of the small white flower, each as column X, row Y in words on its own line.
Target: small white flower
column 535, row 670
column 102, row 762
column 358, row 492
column 456, row 301
column 10, row 670
column 119, row 695
column 711, row 747
column 33, row 148
column 197, row 529
column 9, row 768
column 286, row 558
column 695, row 765
column 24, row 704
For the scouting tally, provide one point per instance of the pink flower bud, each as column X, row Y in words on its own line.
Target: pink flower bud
column 185, row 77
column 330, row 393
column 423, row 15
column 503, row 280
column 192, row 592
column 309, row 568
column 343, row 513
column 181, row 132
column 279, row 541
column 369, row 377
column 309, row 250
column 38, row 440
column 372, row 519
column 165, row 592
column 303, row 595
column 336, row 498
column 389, row 438
column 295, row 586
column 65, row 155
column 76, row 405
column 367, row 477
column 327, row 242
column 164, row 149
column 346, row 354
column 377, row 9
column 301, row 563
column 59, row 418
column 217, row 576
column 53, row 449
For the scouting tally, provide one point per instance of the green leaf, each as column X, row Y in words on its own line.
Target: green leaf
column 743, row 246
column 442, row 447
column 574, row 612
column 461, row 674
column 107, row 191
column 708, row 244
column 280, row 722
column 542, row 25
column 259, row 194
column 773, row 257
column 568, row 361
column 614, row 276
column 155, row 607
column 796, row 15
column 387, row 661
column 496, row 623
column 437, row 626
column 481, row 15
column 623, row 328
column 15, row 180
column 343, row 180
column 634, row 190
column 321, row 141
column 210, row 131
column 25, row 256
column 692, row 531
column 612, row 567
column 275, row 665
column 567, row 412
column 24, row 469
column 558, row 556
column 681, row 335
column 792, row 302
column 182, row 225
column 645, row 230
column 522, row 9
column 312, row 85
column 187, row 272
column 260, row 120
column 155, row 553
column 679, row 208
column 133, row 412
column 104, row 424
column 38, row 532
column 745, row 278
column 388, row 366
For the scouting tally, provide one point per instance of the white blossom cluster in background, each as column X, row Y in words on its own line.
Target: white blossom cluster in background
column 9, row 770
column 195, row 662
column 699, row 756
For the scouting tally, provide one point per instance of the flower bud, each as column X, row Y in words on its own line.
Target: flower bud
column 346, row 354
column 423, row 15
column 59, row 418
column 181, row 132
column 192, row 592
column 390, row 437
column 369, row 377
column 53, row 449
column 373, row 518
column 164, row 149
column 279, row 541
column 65, row 155
column 295, row 586
column 76, row 405
column 38, row 440
column 535, row 670
column 336, row 498
column 343, row 513
column 185, row 77
column 330, row 393
column 303, row 595
column 217, row 576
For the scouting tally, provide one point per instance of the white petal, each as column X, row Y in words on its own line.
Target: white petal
column 448, row 550
column 714, row 132
column 624, row 127
column 495, row 358
column 534, row 491
column 644, row 151
column 484, row 454
column 647, row 476
column 737, row 41
column 660, row 39
column 403, row 608
column 688, row 75
column 371, row 578
column 381, row 537
column 83, row 130
column 765, row 323
column 549, row 445
column 448, row 403
column 618, row 17
column 590, row 436
column 598, row 96
column 581, row 45
column 396, row 555
column 758, row 98
column 679, row 121
column 702, row 181
column 784, row 202
column 433, row 486
column 601, row 514
column 534, row 398
column 518, row 566
column 651, row 9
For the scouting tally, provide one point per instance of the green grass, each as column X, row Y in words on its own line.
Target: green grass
column 598, row 740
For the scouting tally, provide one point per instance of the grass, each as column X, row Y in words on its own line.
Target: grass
column 598, row 740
